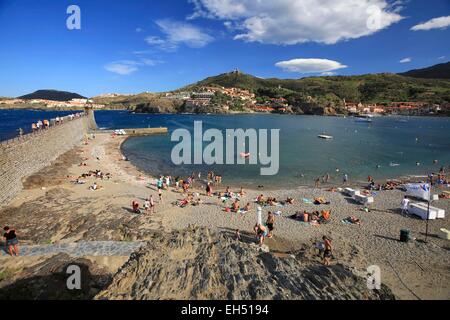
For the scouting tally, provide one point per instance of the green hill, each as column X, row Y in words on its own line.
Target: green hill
column 439, row 71
column 54, row 95
column 371, row 88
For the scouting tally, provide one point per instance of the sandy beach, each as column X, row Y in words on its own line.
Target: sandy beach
column 53, row 210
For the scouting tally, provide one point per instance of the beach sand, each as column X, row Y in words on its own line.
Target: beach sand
column 53, row 210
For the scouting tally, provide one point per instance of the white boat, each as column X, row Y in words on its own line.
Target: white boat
column 364, row 118
column 324, row 136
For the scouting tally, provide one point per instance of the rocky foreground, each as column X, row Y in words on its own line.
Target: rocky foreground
column 198, row 264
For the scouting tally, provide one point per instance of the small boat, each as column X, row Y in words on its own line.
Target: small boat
column 364, row 118
column 324, row 136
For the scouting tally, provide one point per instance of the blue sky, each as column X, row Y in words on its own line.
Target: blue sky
column 134, row 46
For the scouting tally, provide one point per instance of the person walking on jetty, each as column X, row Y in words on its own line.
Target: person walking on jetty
column 327, row 254
column 12, row 244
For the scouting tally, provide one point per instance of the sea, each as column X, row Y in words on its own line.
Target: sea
column 387, row 148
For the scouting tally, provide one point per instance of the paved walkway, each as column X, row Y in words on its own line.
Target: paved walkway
column 80, row 249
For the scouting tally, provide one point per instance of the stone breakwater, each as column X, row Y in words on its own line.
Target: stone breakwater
column 22, row 157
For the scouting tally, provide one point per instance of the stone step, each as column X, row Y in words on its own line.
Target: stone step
column 80, row 249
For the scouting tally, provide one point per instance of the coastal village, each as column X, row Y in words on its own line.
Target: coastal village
column 247, row 101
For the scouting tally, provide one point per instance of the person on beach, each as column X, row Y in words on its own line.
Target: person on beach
column 146, row 205
column 167, row 181
column 317, row 183
column 209, row 189
column 152, row 204
column 159, row 183
column 160, row 195
column 345, row 179
column 235, row 206
column 405, row 205
column 260, row 199
column 270, row 223
column 12, row 244
column 262, row 233
column 135, row 207
column 242, row 192
column 247, row 207
column 238, row 235
column 327, row 254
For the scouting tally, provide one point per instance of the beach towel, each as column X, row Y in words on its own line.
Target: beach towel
column 242, row 211
column 307, row 201
column 277, row 213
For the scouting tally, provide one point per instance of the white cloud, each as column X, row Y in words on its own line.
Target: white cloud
column 298, row 21
column 126, row 67
column 405, row 60
column 441, row 57
column 310, row 65
column 121, row 67
column 328, row 73
column 435, row 23
column 177, row 33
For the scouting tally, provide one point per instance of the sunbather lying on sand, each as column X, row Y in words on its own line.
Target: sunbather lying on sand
column 320, row 200
column 272, row 201
column 352, row 220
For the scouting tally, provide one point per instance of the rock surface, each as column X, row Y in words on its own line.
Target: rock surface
column 48, row 280
column 198, row 264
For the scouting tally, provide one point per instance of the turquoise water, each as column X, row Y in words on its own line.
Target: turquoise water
column 357, row 148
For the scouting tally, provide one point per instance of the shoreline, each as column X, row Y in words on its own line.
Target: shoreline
column 410, row 178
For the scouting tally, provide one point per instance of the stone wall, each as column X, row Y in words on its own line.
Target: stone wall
column 22, row 157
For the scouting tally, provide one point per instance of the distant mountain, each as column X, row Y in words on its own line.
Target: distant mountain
column 439, row 71
column 54, row 95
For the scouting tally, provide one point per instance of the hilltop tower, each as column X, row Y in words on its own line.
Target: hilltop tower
column 92, row 124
